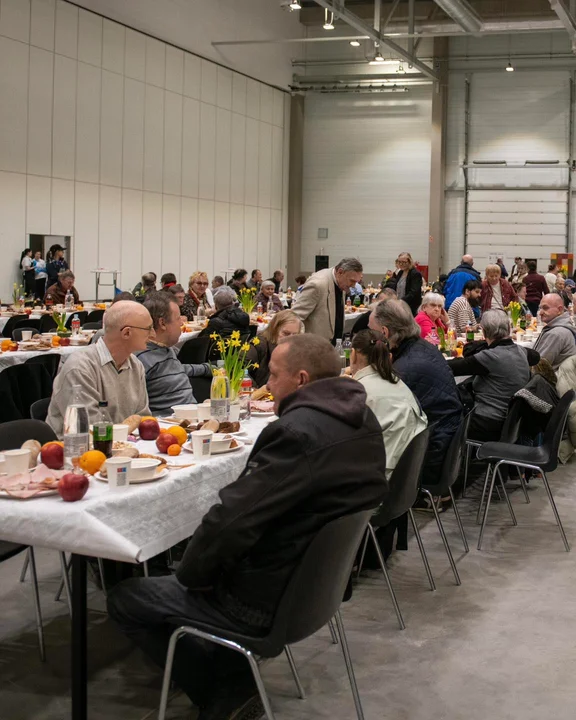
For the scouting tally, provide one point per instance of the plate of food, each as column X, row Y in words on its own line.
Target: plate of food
column 132, row 481
column 38, row 482
column 262, row 402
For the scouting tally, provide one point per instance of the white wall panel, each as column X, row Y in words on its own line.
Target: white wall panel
column 155, row 62
column 42, row 19
column 153, row 138
column 188, row 239
column 266, row 103
column 208, row 82
column 40, row 88
column 90, row 38
column 238, row 159
column 15, row 19
column 276, row 260
column 207, row 151
column 174, row 69
column 64, row 118
column 38, row 205
column 113, row 46
column 13, row 104
column 264, row 240
column 131, row 251
column 192, row 76
column 135, row 57
column 278, row 108
column 112, row 108
column 110, row 227
column 12, row 227
column 152, row 232
column 173, row 143
column 88, row 123
column 252, row 99
column 250, row 237
column 206, row 237
column 239, row 94
column 221, row 235
column 224, row 88
column 62, row 207
column 236, row 252
column 85, row 248
column 66, row 30
column 276, row 198
column 133, row 136
column 251, row 166
column 190, row 147
column 265, row 165
column 171, row 234
column 223, row 154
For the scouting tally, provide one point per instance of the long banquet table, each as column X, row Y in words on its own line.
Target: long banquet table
column 130, row 524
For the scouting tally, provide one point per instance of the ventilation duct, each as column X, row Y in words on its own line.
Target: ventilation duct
column 461, row 12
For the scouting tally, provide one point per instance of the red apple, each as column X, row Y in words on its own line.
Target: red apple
column 53, row 455
column 164, row 440
column 64, row 342
column 73, row 487
column 149, row 429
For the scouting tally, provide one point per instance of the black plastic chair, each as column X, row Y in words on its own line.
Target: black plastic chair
column 47, row 324
column 17, row 332
column 201, row 388
column 311, row 598
column 95, row 316
column 404, row 487
column 543, row 458
column 20, row 386
column 195, row 351
column 39, row 409
column 11, row 324
column 50, row 361
column 82, row 315
column 92, row 326
column 28, row 324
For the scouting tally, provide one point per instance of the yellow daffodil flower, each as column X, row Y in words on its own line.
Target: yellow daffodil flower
column 255, row 366
column 235, row 335
column 255, row 341
column 214, row 336
column 245, row 347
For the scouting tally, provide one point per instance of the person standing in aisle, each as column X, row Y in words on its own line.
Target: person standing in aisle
column 536, row 287
column 40, row 275
column 407, row 282
column 27, row 271
column 55, row 264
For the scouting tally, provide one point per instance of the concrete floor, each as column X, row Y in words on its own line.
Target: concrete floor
column 501, row 646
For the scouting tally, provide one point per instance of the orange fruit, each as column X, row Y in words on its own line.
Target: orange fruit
column 174, row 450
column 92, row 461
column 179, row 433
column 147, row 417
column 55, row 341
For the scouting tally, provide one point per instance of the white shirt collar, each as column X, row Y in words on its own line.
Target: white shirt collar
column 106, row 356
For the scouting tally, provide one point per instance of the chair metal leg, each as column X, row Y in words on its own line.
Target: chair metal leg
column 260, row 685
column 349, row 666
column 510, row 508
column 145, row 567
column 61, row 586
column 459, row 521
column 486, row 509
column 422, row 551
column 486, row 480
column 102, row 578
column 66, row 580
column 333, row 632
column 466, row 463
column 387, row 577
column 36, row 597
column 555, row 511
column 444, row 538
column 523, row 485
column 290, row 657
column 24, row 568
column 364, row 546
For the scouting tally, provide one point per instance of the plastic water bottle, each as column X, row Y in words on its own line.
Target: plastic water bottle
column 69, row 301
column 201, row 313
column 76, row 429
column 340, row 351
column 259, row 308
column 220, row 396
column 245, row 396
column 75, row 324
column 347, row 348
column 348, row 304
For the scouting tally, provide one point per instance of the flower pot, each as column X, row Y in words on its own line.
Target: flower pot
column 64, row 333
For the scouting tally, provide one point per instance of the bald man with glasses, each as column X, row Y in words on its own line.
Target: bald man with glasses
column 107, row 371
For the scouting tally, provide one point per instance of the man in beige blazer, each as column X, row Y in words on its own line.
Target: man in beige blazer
column 320, row 304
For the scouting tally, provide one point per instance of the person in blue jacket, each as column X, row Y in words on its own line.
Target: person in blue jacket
column 458, row 277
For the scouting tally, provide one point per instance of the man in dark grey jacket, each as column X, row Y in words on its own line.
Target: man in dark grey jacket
column 557, row 341
column 324, row 458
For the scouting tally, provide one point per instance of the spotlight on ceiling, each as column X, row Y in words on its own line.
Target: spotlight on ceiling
column 378, row 59
column 509, row 67
column 295, row 5
column 328, row 20
column 355, row 43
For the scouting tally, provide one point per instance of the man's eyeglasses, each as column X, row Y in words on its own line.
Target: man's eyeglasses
column 137, row 327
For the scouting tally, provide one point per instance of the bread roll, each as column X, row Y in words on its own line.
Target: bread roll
column 34, row 447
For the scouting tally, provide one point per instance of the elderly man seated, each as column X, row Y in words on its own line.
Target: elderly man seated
column 267, row 295
column 557, row 341
column 228, row 317
column 57, row 292
column 301, row 474
column 500, row 368
column 167, row 379
column 107, row 371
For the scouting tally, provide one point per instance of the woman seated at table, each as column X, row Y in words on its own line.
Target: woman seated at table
column 497, row 293
column 431, row 317
column 267, row 295
column 227, row 318
column 391, row 400
column 282, row 325
column 196, row 295
column 500, row 368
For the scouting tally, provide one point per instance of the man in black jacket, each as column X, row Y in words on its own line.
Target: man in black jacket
column 324, row 458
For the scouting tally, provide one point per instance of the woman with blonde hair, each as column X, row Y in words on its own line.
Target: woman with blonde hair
column 196, row 295
column 497, row 293
column 407, row 282
column 282, row 325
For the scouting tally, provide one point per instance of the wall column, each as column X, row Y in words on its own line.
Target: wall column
column 295, row 188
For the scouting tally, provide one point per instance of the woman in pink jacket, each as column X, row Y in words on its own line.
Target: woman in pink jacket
column 432, row 316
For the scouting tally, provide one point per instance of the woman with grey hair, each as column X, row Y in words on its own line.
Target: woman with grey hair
column 267, row 296
column 431, row 317
column 228, row 317
column 500, row 368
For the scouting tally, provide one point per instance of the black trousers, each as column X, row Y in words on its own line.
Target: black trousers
column 29, row 282
column 40, row 288
column 534, row 307
column 484, row 430
column 142, row 606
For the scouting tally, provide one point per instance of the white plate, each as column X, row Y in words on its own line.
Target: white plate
column 258, row 413
column 188, row 446
column 44, row 493
column 159, row 476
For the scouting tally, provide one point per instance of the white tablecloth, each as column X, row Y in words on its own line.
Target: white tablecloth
column 7, row 359
column 350, row 320
column 131, row 524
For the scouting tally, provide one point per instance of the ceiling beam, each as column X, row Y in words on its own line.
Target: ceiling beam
column 360, row 26
column 462, row 13
column 568, row 20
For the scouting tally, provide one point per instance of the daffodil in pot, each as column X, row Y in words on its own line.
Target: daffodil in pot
column 248, row 299
column 515, row 310
column 233, row 355
column 60, row 320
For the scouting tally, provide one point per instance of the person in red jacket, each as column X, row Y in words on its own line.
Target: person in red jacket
column 497, row 293
column 432, row 316
column 536, row 287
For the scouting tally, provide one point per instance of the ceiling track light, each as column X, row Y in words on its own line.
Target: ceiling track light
column 355, row 43
column 295, row 5
column 328, row 20
column 509, row 67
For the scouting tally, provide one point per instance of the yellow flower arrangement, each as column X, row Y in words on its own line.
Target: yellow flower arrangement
column 233, row 353
column 515, row 310
column 247, row 299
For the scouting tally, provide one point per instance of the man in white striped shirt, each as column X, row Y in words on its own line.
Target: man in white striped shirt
column 461, row 313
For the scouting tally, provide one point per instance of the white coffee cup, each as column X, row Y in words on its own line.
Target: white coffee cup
column 16, row 461
column 120, row 433
column 26, row 335
column 203, row 413
column 201, row 443
column 118, row 469
column 234, row 414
